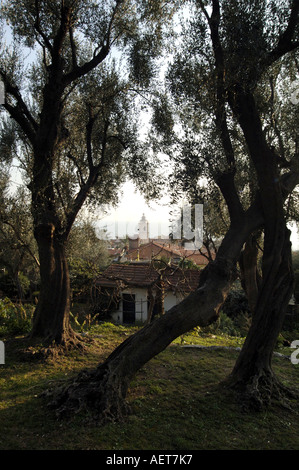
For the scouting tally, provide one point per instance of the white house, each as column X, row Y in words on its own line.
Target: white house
column 144, row 290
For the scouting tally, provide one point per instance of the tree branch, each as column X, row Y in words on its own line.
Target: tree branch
column 37, row 27
column 89, row 127
column 74, row 49
column 80, row 71
column 79, row 201
column 5, row 221
column 62, row 31
column 20, row 112
column 285, row 43
column 84, row 69
column 94, row 171
column 225, row 180
column 74, row 160
column 226, row 184
column 16, row 114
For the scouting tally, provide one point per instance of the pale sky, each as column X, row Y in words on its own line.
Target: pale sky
column 125, row 218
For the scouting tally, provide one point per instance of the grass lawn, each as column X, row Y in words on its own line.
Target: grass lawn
column 177, row 400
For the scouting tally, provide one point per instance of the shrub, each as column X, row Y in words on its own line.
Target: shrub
column 242, row 323
column 15, row 319
column 226, row 325
column 236, row 303
column 8, row 285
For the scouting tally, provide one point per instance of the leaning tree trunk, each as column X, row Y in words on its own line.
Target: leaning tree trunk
column 51, row 319
column 102, row 392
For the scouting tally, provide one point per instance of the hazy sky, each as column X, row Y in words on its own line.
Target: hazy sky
column 125, row 218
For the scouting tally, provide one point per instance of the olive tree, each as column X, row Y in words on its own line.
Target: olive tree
column 70, row 117
column 238, row 42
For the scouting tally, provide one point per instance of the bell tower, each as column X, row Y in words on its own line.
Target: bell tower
column 143, row 230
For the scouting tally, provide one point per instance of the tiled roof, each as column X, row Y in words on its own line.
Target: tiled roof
column 145, row 275
column 159, row 248
column 154, row 249
column 137, row 275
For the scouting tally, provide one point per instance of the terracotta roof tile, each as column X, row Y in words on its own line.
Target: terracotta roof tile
column 154, row 249
column 145, row 275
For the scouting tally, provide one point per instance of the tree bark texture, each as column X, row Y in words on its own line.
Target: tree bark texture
column 51, row 318
column 250, row 277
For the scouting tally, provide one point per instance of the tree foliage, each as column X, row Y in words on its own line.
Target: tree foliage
column 18, row 254
column 75, row 113
column 241, row 45
column 94, row 129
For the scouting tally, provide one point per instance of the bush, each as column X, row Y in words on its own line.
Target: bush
column 242, row 323
column 8, row 286
column 15, row 319
column 229, row 326
column 236, row 303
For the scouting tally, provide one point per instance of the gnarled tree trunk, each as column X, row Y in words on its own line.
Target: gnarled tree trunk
column 253, row 376
column 102, row 392
column 51, row 318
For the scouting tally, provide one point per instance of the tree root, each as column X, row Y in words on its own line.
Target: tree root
column 98, row 394
column 48, row 349
column 262, row 391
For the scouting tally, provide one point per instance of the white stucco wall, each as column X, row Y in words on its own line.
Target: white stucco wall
column 141, row 305
column 170, row 300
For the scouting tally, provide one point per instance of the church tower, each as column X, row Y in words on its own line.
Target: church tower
column 143, row 230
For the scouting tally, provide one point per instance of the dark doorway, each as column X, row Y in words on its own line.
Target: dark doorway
column 128, row 308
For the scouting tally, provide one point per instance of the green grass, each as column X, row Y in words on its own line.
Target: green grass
column 177, row 401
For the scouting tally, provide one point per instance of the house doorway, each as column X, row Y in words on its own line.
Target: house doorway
column 129, row 308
